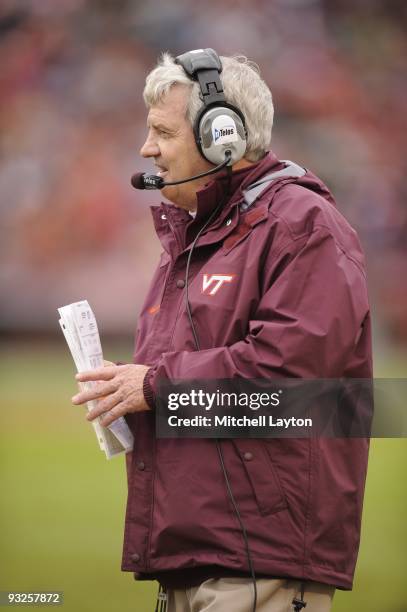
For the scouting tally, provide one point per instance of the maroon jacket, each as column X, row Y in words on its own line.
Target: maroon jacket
column 297, row 306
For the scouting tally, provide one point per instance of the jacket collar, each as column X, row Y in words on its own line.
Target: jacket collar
column 209, row 196
column 169, row 217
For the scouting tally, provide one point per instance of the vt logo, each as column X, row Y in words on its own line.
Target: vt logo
column 211, row 283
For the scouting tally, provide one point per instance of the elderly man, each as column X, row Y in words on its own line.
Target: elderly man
column 260, row 278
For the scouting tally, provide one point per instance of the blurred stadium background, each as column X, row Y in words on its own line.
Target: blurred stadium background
column 72, row 122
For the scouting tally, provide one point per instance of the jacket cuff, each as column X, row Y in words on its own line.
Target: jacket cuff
column 148, row 389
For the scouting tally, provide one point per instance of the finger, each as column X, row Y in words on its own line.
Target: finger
column 94, row 393
column 104, row 405
column 115, row 413
column 105, row 373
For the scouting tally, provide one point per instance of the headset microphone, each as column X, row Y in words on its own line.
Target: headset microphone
column 153, row 181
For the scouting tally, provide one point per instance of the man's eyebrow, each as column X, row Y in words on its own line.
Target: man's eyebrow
column 160, row 126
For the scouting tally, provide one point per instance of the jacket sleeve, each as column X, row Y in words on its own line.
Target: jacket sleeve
column 307, row 322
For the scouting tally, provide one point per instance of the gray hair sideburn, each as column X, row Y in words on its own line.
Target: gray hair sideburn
column 243, row 87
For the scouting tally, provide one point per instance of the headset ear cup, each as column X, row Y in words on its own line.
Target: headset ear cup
column 219, row 129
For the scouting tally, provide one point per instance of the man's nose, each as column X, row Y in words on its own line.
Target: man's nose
column 150, row 148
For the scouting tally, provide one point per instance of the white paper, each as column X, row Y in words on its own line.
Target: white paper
column 78, row 324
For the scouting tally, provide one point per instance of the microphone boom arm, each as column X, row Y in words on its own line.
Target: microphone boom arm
column 152, row 181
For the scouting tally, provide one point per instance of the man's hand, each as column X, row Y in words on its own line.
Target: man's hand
column 120, row 393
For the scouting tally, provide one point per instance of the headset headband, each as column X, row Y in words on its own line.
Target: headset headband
column 204, row 66
column 219, row 127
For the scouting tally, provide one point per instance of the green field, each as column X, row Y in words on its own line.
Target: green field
column 62, row 503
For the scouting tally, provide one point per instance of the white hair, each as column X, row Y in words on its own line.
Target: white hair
column 243, row 87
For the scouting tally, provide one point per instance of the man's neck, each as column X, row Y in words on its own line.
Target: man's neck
column 242, row 164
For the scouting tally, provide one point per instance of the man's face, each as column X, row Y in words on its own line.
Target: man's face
column 170, row 141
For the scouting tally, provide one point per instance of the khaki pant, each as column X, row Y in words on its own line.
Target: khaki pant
column 236, row 595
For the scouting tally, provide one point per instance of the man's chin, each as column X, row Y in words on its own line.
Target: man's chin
column 168, row 190
column 172, row 194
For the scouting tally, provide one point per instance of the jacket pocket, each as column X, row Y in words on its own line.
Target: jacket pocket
column 262, row 476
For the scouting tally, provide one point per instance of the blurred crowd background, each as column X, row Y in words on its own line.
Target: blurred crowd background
column 72, row 121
